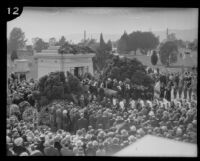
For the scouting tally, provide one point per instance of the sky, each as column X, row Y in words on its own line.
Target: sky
column 57, row 21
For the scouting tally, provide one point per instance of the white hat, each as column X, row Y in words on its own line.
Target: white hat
column 64, row 111
column 18, row 141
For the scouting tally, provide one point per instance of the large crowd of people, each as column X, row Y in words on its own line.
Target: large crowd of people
column 100, row 125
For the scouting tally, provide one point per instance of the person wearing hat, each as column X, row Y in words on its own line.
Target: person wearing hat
column 105, row 120
column 89, row 149
column 40, row 145
column 66, row 149
column 115, row 145
column 57, row 144
column 18, row 147
column 49, row 149
column 34, row 151
column 92, row 120
column 82, row 122
column 66, row 121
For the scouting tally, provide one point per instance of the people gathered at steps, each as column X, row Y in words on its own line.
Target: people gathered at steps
column 97, row 127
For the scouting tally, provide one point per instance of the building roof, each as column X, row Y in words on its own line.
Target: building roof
column 161, row 147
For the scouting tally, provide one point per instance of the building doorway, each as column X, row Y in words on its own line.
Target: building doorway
column 79, row 71
column 76, row 71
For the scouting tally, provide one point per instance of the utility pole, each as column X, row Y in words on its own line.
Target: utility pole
column 84, row 35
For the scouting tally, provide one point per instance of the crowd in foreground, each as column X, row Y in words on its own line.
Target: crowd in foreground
column 101, row 127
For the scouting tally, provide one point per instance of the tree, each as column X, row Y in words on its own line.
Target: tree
column 144, row 41
column 124, row 68
column 109, row 45
column 154, row 58
column 14, row 55
column 39, row 44
column 102, row 46
column 16, row 40
column 62, row 41
column 193, row 45
column 168, row 53
column 122, row 45
column 52, row 41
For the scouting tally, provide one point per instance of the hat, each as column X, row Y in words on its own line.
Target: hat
column 132, row 138
column 133, row 128
column 18, row 141
column 79, row 143
column 115, row 140
column 95, row 143
column 64, row 112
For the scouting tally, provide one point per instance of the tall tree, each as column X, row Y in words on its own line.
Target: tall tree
column 109, row 45
column 102, row 43
column 122, row 46
column 16, row 40
column 168, row 53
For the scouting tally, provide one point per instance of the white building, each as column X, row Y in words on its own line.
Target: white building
column 50, row 61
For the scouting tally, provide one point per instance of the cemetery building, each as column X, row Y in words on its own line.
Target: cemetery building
column 50, row 61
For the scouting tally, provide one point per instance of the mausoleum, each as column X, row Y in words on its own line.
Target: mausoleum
column 50, row 61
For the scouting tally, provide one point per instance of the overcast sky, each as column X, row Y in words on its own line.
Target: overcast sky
column 54, row 22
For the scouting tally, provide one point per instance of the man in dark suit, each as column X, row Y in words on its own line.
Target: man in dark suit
column 82, row 122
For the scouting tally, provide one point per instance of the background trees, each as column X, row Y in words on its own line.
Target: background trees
column 144, row 41
column 168, row 53
column 56, row 86
column 103, row 54
column 123, row 46
column 16, row 40
column 123, row 68
column 39, row 44
column 62, row 41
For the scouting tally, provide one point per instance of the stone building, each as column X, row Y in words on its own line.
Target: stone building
column 50, row 61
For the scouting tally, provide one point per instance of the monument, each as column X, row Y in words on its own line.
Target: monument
column 50, row 61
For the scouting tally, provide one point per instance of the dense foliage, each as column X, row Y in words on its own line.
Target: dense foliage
column 168, row 53
column 74, row 49
column 144, row 41
column 102, row 54
column 123, row 69
column 39, row 44
column 57, row 86
column 16, row 40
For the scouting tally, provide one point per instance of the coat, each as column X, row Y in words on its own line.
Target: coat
column 92, row 121
column 82, row 123
column 66, row 152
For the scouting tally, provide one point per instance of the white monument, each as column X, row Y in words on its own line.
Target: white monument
column 50, row 61
column 21, row 67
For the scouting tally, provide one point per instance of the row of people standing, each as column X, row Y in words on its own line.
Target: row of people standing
column 178, row 84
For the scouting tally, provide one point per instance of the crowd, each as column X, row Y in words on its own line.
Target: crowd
column 99, row 127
